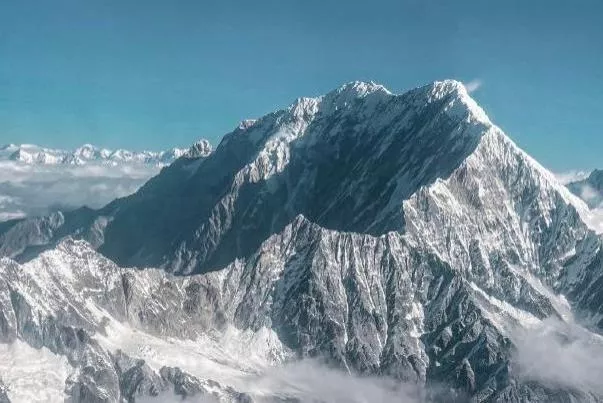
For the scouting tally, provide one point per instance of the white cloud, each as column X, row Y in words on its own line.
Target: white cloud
column 589, row 194
column 35, row 189
column 171, row 397
column 561, row 355
column 592, row 212
column 595, row 219
column 571, row 176
column 310, row 381
column 473, row 85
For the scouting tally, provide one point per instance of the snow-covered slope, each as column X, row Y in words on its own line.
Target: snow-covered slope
column 401, row 236
column 77, row 326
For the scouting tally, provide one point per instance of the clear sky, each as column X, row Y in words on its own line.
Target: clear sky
column 155, row 73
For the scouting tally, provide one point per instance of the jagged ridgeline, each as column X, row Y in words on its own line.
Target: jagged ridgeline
column 403, row 239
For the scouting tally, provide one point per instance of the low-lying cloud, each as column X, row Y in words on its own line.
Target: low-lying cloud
column 561, row 356
column 36, row 189
column 592, row 197
column 311, row 381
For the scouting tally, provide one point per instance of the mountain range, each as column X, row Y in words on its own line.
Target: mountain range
column 36, row 180
column 358, row 246
column 32, row 154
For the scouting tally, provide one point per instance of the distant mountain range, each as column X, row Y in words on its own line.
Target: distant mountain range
column 355, row 247
column 33, row 154
column 35, row 180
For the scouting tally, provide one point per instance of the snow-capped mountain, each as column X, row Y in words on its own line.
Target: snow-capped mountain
column 32, row 154
column 403, row 237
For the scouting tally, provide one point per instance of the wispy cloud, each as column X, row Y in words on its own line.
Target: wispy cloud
column 473, row 85
column 311, row 381
column 561, row 355
column 571, row 176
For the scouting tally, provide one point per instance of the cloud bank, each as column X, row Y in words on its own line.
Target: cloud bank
column 561, row 356
column 311, row 381
column 37, row 189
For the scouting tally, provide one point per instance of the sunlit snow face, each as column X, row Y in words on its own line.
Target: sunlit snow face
column 36, row 189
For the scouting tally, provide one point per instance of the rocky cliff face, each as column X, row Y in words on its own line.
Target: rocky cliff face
column 402, row 236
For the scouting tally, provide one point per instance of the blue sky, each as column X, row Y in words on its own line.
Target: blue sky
column 154, row 74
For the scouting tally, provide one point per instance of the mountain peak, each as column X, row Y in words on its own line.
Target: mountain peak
column 439, row 90
column 450, row 84
column 351, row 91
column 201, row 148
column 247, row 123
column 433, row 92
column 360, row 89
